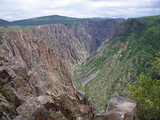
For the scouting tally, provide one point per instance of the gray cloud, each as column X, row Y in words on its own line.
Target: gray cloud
column 23, row 9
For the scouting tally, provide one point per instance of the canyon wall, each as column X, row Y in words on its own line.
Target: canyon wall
column 75, row 41
column 35, row 84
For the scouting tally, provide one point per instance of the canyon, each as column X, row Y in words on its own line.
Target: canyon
column 35, row 82
column 74, row 43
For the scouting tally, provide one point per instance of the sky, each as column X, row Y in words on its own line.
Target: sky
column 23, row 9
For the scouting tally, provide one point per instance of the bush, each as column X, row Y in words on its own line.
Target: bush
column 3, row 91
column 1, row 58
column 146, row 92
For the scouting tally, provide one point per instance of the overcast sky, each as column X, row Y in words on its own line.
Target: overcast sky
column 23, row 9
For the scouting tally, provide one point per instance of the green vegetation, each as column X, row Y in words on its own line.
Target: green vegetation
column 3, row 91
column 146, row 92
column 54, row 19
column 70, row 25
column 4, row 22
column 121, row 59
column 11, row 28
column 31, row 91
column 1, row 58
column 1, row 39
column 45, row 20
column 77, row 83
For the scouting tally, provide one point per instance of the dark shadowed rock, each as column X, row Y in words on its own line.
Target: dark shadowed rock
column 4, row 76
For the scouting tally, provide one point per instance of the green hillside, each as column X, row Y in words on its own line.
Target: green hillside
column 4, row 22
column 54, row 19
column 45, row 20
column 119, row 60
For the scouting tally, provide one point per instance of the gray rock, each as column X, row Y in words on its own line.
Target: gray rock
column 119, row 108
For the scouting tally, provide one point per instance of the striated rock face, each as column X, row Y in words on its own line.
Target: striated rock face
column 92, row 33
column 119, row 108
column 35, row 84
column 59, row 37
column 73, row 44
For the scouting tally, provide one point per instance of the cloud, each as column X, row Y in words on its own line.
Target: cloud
column 23, row 9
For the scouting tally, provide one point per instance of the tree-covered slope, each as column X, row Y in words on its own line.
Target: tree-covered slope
column 120, row 59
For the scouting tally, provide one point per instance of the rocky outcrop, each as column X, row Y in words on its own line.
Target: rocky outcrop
column 119, row 108
column 73, row 44
column 62, row 40
column 35, row 84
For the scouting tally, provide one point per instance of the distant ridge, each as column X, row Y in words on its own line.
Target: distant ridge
column 97, row 18
column 53, row 19
column 4, row 22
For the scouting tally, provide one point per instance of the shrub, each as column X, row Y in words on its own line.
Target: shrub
column 146, row 92
column 1, row 58
column 3, row 91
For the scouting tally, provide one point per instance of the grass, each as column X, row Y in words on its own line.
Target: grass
column 11, row 28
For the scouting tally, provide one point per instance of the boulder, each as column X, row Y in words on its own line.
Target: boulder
column 119, row 108
column 85, row 109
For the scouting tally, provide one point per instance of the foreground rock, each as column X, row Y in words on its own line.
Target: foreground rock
column 35, row 84
column 119, row 108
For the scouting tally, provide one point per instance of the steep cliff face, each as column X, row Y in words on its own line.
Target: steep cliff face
column 92, row 33
column 62, row 40
column 74, row 43
column 35, row 84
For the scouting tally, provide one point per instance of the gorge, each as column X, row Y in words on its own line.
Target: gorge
column 102, row 55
